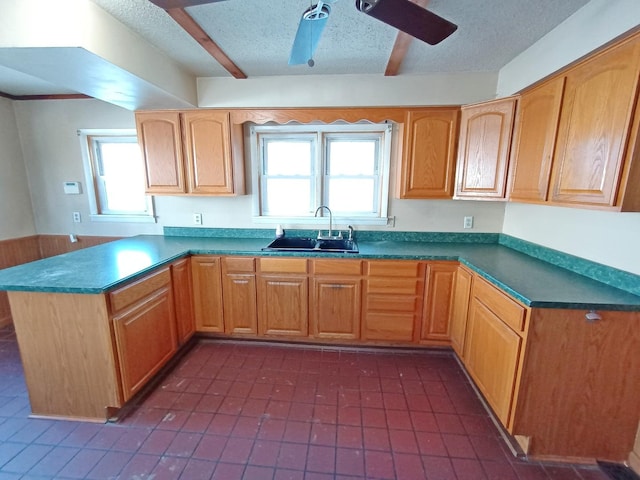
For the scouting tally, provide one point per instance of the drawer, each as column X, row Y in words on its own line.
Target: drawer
column 283, row 265
column 337, row 267
column 238, row 264
column 507, row 309
column 385, row 327
column 131, row 293
column 394, row 286
column 394, row 268
column 391, row 303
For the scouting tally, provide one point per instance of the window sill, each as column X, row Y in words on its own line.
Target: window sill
column 123, row 218
column 324, row 221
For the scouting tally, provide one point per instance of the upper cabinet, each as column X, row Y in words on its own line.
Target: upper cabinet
column 192, row 152
column 483, row 149
column 597, row 112
column 576, row 134
column 534, row 138
column 429, row 155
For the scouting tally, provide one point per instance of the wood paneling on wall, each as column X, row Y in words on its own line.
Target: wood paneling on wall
column 16, row 251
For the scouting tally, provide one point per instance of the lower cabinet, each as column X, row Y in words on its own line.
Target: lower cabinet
column 239, row 295
column 460, row 308
column 493, row 347
column 392, row 300
column 182, row 296
column 207, row 293
column 283, row 297
column 438, row 303
column 335, row 300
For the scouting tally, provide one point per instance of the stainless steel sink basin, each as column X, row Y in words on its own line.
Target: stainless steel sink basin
column 299, row 244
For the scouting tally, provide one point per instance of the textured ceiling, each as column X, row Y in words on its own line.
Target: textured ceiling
column 257, row 35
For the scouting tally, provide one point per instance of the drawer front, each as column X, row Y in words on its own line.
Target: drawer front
column 387, row 327
column 393, row 268
column 283, row 265
column 337, row 267
column 238, row 264
column 139, row 289
column 507, row 309
column 391, row 303
column 394, row 286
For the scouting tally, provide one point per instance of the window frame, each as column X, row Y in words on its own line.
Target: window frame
column 95, row 194
column 322, row 134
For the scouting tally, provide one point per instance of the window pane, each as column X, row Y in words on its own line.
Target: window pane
column 286, row 196
column 351, row 195
column 352, row 157
column 122, row 178
column 288, row 157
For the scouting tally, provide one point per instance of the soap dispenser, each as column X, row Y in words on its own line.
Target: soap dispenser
column 279, row 231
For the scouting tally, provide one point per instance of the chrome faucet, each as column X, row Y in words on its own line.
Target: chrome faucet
column 330, row 235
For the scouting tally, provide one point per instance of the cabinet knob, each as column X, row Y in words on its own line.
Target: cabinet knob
column 592, row 316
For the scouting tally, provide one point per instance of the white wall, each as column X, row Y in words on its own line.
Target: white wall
column 16, row 217
column 604, row 237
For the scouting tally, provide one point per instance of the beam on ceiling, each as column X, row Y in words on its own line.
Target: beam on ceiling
column 185, row 20
column 400, row 47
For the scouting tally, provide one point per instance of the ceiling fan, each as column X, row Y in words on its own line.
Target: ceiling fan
column 404, row 15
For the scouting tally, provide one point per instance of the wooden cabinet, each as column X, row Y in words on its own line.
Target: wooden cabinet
column 160, row 138
column 182, row 295
column 534, row 139
column 392, row 300
column 460, row 308
column 597, row 111
column 283, row 297
column 191, row 152
column 207, row 293
column 493, row 346
column 429, row 155
column 239, row 295
column 335, row 301
column 438, row 303
column 144, row 326
column 483, row 149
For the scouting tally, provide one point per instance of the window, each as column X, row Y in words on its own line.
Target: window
column 115, row 176
column 300, row 167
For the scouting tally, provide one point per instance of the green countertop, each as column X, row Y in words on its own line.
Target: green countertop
column 536, row 283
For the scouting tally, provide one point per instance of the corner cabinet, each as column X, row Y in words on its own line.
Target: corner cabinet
column 193, row 152
column 483, row 150
column 429, row 154
column 576, row 140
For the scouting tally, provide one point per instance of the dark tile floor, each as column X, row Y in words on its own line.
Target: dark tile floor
column 238, row 411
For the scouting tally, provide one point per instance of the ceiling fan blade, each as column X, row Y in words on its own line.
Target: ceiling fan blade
column 309, row 32
column 408, row 17
column 169, row 4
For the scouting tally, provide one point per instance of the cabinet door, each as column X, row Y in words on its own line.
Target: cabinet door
column 239, row 294
column 335, row 307
column 483, row 150
column 283, row 302
column 208, row 151
column 428, row 161
column 460, row 309
column 598, row 104
column 161, row 144
column 534, row 139
column 145, row 339
column 491, row 355
column 438, row 301
column 182, row 295
column 207, row 293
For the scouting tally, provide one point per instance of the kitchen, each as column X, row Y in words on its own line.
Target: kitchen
column 47, row 136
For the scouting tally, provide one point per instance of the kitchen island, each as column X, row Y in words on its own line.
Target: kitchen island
column 554, row 353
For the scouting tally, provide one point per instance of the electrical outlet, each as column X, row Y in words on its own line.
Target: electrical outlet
column 76, row 217
column 468, row 222
column 197, row 218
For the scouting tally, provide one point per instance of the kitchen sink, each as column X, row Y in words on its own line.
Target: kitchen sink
column 299, row 244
